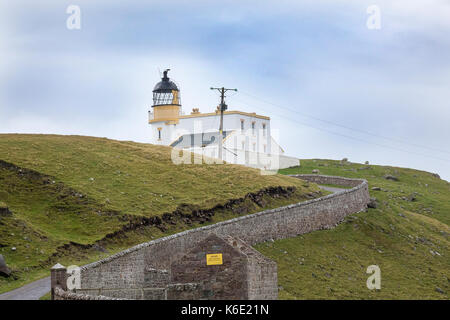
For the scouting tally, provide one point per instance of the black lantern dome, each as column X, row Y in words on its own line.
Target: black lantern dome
column 166, row 92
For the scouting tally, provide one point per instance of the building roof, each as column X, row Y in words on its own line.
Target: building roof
column 165, row 85
column 248, row 114
column 204, row 139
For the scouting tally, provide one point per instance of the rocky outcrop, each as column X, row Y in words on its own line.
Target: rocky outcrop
column 4, row 270
column 391, row 177
column 4, row 211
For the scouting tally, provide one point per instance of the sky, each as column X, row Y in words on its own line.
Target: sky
column 333, row 87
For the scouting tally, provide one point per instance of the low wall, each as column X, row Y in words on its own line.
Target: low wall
column 321, row 179
column 288, row 162
column 60, row 294
column 257, row 160
column 123, row 274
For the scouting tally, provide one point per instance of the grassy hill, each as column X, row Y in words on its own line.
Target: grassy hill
column 407, row 236
column 77, row 199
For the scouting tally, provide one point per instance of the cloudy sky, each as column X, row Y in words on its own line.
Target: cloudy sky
column 333, row 87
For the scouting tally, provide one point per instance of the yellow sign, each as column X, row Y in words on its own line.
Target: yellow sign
column 214, row 259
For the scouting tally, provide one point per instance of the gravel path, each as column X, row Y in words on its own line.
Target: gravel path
column 31, row 291
column 332, row 189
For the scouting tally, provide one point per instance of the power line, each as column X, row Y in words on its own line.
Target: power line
column 347, row 127
column 357, row 139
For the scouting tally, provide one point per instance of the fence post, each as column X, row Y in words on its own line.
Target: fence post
column 58, row 275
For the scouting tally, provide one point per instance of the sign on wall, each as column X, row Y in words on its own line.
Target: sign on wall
column 214, row 259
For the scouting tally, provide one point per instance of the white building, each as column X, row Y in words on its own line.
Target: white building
column 246, row 137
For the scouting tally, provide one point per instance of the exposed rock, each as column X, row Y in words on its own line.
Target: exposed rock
column 316, row 171
column 439, row 290
column 4, row 211
column 365, row 168
column 4, row 270
column 373, row 203
column 412, row 197
column 435, row 253
column 376, row 188
column 99, row 248
column 13, row 249
column 435, row 175
column 367, row 162
column 391, row 177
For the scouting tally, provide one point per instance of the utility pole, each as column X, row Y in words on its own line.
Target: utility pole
column 223, row 107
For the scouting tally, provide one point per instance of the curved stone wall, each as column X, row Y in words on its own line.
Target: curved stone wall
column 122, row 275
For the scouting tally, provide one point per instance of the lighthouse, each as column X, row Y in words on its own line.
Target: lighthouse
column 166, row 109
column 245, row 138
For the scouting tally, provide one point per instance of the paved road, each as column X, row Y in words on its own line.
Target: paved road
column 332, row 189
column 36, row 289
column 31, row 291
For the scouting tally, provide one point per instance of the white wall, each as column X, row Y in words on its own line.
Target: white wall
column 170, row 133
column 167, row 133
column 247, row 158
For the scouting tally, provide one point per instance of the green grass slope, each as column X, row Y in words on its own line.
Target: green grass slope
column 407, row 236
column 77, row 199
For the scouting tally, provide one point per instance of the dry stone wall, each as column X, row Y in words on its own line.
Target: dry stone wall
column 60, row 294
column 124, row 274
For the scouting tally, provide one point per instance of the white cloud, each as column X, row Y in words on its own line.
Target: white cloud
column 317, row 56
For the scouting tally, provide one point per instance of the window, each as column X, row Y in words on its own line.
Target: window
column 264, row 130
column 166, row 98
column 159, row 133
column 242, row 125
column 253, row 127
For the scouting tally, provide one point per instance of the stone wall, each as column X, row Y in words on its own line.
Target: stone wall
column 224, row 281
column 321, row 179
column 123, row 274
column 262, row 277
column 60, row 294
column 154, row 278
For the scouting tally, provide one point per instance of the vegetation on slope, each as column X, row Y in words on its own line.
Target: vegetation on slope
column 136, row 178
column 407, row 236
column 77, row 199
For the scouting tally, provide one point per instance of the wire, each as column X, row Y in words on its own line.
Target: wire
column 347, row 127
column 354, row 138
